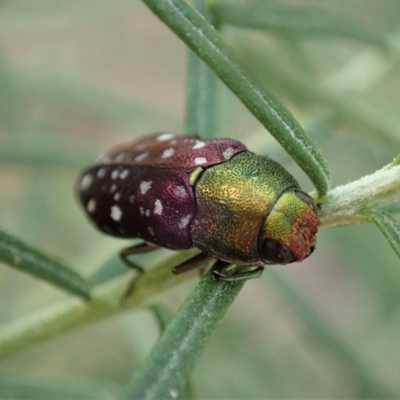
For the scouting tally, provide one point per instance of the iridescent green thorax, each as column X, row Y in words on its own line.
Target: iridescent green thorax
column 233, row 201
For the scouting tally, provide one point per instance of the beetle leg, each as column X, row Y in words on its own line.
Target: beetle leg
column 189, row 264
column 135, row 249
column 221, row 273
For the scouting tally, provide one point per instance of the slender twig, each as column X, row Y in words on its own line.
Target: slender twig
column 343, row 203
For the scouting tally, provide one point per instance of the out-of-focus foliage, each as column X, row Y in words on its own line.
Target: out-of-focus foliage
column 79, row 76
column 19, row 255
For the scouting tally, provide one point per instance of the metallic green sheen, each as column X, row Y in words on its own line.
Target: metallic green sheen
column 233, row 200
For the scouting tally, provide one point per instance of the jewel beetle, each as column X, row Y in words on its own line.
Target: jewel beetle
column 179, row 192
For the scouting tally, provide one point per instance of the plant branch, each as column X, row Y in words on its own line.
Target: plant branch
column 344, row 202
column 70, row 313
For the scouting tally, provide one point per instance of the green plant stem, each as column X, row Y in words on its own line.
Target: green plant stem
column 105, row 301
column 343, row 203
column 208, row 44
column 201, row 90
column 205, row 86
column 169, row 365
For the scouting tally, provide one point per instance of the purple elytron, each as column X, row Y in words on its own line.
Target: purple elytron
column 142, row 188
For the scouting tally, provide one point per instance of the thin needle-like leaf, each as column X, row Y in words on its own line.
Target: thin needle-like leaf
column 201, row 90
column 208, row 44
column 284, row 19
column 19, row 255
column 392, row 208
column 170, row 364
column 389, row 226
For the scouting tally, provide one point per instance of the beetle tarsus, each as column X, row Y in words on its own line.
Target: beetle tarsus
column 221, row 274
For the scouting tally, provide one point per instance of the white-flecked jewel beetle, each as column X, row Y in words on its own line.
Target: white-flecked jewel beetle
column 180, row 192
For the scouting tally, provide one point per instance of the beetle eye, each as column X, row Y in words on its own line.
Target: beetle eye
column 275, row 252
column 307, row 199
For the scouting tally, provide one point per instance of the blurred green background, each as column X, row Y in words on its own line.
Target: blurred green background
column 77, row 77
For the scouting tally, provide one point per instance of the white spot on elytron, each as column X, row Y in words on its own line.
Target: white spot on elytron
column 183, row 223
column 102, row 158
column 165, row 136
column 147, row 213
column 173, row 393
column 141, row 146
column 199, row 144
column 200, row 160
column 117, row 196
column 101, row 173
column 145, row 186
column 116, row 213
column 91, row 205
column 86, row 182
column 105, row 158
column 124, row 173
column 158, row 207
column 179, row 191
column 131, row 198
column 120, row 157
column 167, row 153
column 142, row 156
column 151, row 231
column 228, row 153
column 114, row 174
column 113, row 188
column 141, row 209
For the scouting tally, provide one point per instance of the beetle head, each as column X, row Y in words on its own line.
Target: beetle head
column 288, row 233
